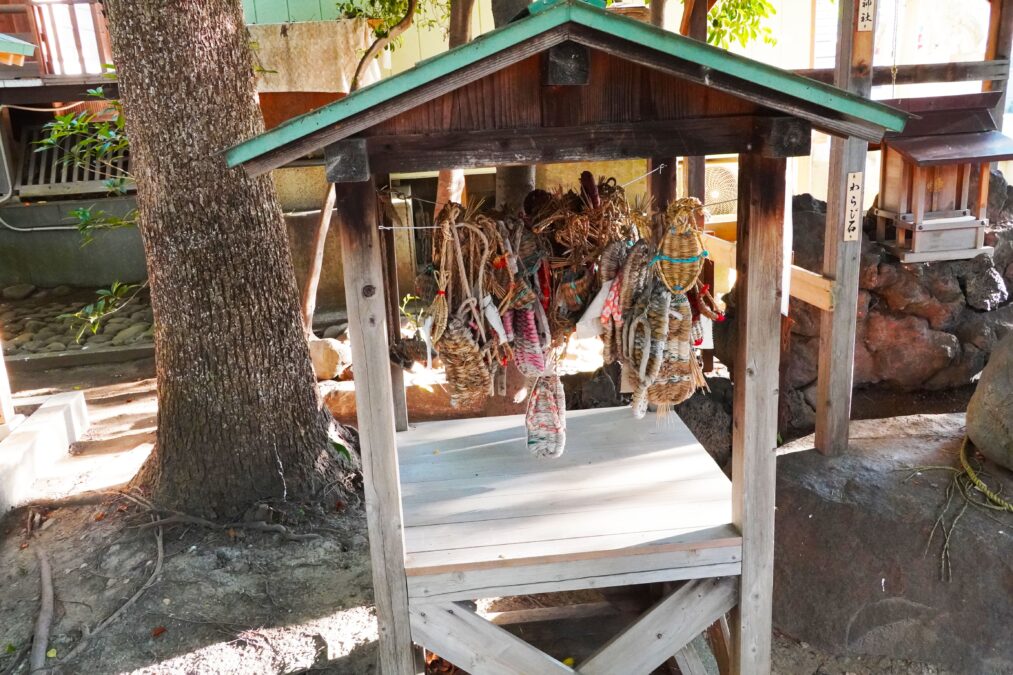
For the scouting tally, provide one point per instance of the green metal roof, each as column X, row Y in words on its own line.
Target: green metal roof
column 546, row 15
column 12, row 45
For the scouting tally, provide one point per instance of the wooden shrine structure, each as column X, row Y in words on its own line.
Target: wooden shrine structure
column 460, row 510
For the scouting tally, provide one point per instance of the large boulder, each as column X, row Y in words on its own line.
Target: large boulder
column 986, row 289
column 855, row 571
column 17, row 291
column 990, row 412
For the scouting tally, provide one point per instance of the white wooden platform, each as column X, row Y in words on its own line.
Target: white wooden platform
column 631, row 501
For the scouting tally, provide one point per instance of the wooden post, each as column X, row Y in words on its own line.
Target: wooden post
column 367, row 330
column 841, row 258
column 1000, row 46
column 662, row 183
column 759, row 263
column 388, row 251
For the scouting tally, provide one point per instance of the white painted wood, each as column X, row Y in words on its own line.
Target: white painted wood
column 907, row 256
column 367, row 329
column 571, row 575
column 754, row 415
column 477, row 646
column 584, row 610
column 664, row 629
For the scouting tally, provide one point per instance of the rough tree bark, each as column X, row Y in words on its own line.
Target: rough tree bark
column 239, row 418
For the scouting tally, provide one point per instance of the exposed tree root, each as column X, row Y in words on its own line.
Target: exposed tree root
column 133, row 598
column 40, row 641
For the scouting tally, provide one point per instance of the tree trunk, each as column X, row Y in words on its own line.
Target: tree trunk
column 239, row 418
column 450, row 184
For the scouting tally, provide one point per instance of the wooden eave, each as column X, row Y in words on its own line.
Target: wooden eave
column 827, row 108
column 985, row 146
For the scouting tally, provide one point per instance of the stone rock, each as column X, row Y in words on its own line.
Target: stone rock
column 23, row 339
column 129, row 334
column 54, row 347
column 851, row 571
column 600, row 391
column 18, row 291
column 146, row 315
column 330, row 357
column 803, row 364
column 905, row 350
column 985, row 288
column 61, row 291
column 46, row 333
column 989, row 418
column 799, row 414
column 710, row 420
column 34, row 325
column 335, row 331
column 100, row 338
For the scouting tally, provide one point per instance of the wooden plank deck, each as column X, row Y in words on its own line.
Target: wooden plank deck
column 630, row 501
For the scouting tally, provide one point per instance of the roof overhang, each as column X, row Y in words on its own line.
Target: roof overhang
column 827, row 108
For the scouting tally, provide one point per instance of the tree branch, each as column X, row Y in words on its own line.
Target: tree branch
column 381, row 42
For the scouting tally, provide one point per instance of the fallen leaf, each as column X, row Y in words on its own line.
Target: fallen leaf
column 157, row 631
column 231, row 532
column 51, row 654
column 568, row 661
column 23, row 546
column 101, row 515
column 339, row 505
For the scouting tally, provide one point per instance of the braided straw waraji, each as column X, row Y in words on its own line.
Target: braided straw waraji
column 680, row 254
column 439, row 310
column 546, row 417
column 675, row 382
column 467, row 374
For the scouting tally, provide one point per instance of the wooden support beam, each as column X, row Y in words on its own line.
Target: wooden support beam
column 346, row 161
column 567, row 64
column 807, row 286
column 593, row 142
column 760, row 261
column 664, row 170
column 473, row 644
column 995, row 70
column 841, row 254
column 665, row 629
column 367, row 329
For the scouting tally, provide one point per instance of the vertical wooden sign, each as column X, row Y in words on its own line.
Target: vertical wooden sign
column 866, row 15
column 853, row 214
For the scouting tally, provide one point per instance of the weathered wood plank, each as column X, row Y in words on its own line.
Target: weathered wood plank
column 841, row 258
column 664, row 629
column 597, row 142
column 388, row 250
column 477, row 646
column 367, row 330
column 347, row 161
column 966, row 71
column 761, row 213
column 807, row 286
column 689, row 661
column 567, row 64
column 998, row 47
column 573, row 576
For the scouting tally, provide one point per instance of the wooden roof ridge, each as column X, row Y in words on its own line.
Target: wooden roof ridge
column 550, row 23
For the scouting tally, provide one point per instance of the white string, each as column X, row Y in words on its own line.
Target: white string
column 654, row 170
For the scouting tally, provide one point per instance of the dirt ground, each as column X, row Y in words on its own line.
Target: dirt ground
column 233, row 601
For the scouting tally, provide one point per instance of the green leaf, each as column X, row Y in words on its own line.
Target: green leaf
column 51, row 654
column 10, row 649
column 341, row 450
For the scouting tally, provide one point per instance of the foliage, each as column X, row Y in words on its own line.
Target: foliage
column 110, row 300
column 739, row 21
column 93, row 141
column 386, row 13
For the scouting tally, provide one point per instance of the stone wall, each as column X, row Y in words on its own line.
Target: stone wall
column 926, row 326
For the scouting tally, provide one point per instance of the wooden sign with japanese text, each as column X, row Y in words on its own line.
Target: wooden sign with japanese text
column 866, row 15
column 853, row 207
